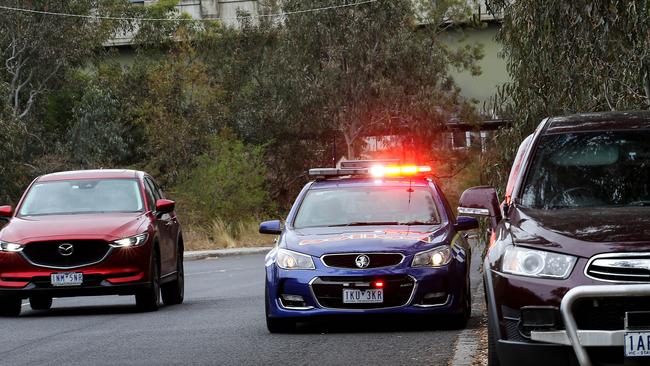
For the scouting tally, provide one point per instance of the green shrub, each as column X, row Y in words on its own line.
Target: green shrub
column 227, row 182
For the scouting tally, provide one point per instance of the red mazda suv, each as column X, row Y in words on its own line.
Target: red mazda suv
column 95, row 232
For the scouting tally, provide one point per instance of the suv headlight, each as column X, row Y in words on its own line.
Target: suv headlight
column 133, row 241
column 537, row 263
column 10, row 247
column 287, row 259
column 435, row 257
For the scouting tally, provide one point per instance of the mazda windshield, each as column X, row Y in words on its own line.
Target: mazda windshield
column 82, row 196
column 595, row 169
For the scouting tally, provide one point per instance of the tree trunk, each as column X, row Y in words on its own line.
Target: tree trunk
column 349, row 142
column 645, row 75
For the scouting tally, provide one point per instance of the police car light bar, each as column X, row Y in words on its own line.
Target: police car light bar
column 379, row 171
column 373, row 168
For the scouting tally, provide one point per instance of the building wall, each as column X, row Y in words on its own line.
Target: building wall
column 493, row 68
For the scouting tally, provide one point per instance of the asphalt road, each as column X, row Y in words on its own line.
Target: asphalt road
column 220, row 323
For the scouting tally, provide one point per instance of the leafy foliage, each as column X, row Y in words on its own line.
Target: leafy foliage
column 567, row 57
column 36, row 52
column 378, row 67
column 228, row 181
column 289, row 94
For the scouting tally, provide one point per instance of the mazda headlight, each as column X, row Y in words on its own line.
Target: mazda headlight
column 435, row 257
column 287, row 259
column 537, row 263
column 10, row 247
column 133, row 241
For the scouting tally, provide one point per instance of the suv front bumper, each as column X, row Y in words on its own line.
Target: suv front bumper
column 579, row 339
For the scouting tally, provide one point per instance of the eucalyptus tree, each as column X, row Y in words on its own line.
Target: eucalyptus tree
column 38, row 47
column 567, row 57
column 379, row 66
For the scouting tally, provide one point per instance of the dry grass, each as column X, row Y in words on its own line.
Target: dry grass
column 222, row 234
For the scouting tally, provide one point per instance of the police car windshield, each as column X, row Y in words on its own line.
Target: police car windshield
column 361, row 206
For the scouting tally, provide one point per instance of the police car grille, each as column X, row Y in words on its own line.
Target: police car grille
column 376, row 260
column 84, row 252
column 329, row 290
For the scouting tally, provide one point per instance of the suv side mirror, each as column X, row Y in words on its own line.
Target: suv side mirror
column 6, row 212
column 273, row 227
column 165, row 206
column 465, row 223
column 481, row 201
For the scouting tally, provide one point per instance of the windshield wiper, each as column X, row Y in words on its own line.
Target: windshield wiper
column 371, row 223
column 639, row 203
column 417, row 223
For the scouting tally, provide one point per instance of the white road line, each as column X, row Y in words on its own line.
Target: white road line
column 206, row 272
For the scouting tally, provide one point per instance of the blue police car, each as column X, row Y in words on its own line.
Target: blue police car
column 368, row 237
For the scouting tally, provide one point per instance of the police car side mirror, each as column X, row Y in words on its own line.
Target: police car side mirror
column 466, row 223
column 481, row 201
column 273, row 227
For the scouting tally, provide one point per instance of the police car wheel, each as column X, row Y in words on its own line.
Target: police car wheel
column 276, row 325
column 280, row 325
column 460, row 320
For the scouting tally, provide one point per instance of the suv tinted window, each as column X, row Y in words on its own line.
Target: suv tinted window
column 590, row 169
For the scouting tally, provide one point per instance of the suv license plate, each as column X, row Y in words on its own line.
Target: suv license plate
column 373, row 296
column 637, row 344
column 67, row 279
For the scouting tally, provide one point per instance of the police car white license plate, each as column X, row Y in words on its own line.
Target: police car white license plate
column 67, row 279
column 372, row 296
column 637, row 344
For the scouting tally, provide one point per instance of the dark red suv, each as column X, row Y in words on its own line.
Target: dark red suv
column 567, row 271
column 95, row 232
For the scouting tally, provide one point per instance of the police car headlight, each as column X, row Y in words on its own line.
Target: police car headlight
column 134, row 241
column 10, row 247
column 537, row 263
column 435, row 257
column 287, row 259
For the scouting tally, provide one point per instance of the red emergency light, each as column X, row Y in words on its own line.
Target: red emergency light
column 379, row 171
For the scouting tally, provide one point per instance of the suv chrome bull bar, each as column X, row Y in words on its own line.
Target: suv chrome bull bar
column 579, row 339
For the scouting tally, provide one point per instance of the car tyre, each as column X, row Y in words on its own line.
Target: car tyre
column 10, row 307
column 174, row 292
column 40, row 302
column 148, row 299
column 493, row 357
column 459, row 321
column 277, row 325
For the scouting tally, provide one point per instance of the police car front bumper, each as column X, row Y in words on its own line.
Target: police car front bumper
column 406, row 291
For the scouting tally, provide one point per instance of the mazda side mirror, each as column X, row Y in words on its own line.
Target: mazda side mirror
column 165, row 206
column 480, row 201
column 6, row 212
column 464, row 223
column 273, row 227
